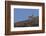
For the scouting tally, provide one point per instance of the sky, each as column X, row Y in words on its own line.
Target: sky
column 21, row 14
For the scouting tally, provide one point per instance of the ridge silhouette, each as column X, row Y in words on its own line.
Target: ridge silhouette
column 31, row 21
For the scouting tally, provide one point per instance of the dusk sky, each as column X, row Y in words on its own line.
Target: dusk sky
column 21, row 14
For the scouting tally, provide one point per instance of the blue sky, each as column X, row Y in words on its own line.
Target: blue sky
column 21, row 14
